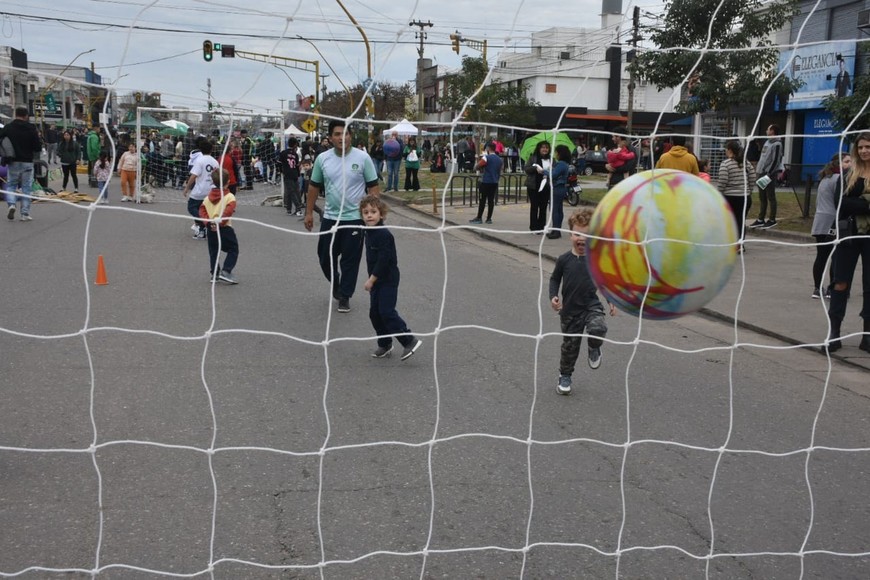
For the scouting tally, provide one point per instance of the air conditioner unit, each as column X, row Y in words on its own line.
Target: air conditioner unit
column 863, row 19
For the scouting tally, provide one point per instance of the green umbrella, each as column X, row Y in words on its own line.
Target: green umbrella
column 175, row 127
column 553, row 139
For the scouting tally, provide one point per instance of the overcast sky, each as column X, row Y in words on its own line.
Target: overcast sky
column 156, row 45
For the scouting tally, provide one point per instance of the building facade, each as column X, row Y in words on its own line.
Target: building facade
column 579, row 76
column 61, row 95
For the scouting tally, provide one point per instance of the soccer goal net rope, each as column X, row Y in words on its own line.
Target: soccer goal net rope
column 619, row 480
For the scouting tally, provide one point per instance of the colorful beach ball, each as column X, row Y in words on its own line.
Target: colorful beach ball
column 665, row 246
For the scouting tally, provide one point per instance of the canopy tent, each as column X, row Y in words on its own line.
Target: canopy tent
column 148, row 122
column 404, row 128
column 293, row 130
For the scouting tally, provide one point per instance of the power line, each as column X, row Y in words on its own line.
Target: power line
column 93, row 25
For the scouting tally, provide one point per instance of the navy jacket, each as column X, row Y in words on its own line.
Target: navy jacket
column 381, row 257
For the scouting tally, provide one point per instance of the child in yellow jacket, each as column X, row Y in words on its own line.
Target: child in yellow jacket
column 217, row 208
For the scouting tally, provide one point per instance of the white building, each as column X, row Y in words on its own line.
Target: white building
column 579, row 71
column 31, row 84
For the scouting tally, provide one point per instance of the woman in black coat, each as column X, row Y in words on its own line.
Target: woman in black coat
column 537, row 170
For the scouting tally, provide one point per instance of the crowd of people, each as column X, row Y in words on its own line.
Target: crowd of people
column 312, row 169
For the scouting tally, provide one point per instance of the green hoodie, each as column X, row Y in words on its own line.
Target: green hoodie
column 93, row 146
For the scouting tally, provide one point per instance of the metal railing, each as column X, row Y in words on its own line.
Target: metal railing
column 511, row 185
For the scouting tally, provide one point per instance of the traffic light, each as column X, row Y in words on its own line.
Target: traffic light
column 207, row 50
column 455, row 38
column 210, row 105
column 312, row 102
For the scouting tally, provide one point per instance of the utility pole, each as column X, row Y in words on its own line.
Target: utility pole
column 422, row 36
column 322, row 88
column 635, row 36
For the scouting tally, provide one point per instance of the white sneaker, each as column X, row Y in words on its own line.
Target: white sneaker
column 564, row 385
column 25, row 217
column 594, row 358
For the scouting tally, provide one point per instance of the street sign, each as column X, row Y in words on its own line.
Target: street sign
column 50, row 105
column 308, row 125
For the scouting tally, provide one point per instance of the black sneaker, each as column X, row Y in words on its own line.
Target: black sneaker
column 383, row 351
column 564, row 386
column 11, row 213
column 344, row 304
column 757, row 224
column 410, row 350
column 769, row 224
column 336, row 291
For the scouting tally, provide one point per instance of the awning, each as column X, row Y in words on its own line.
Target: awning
column 594, row 117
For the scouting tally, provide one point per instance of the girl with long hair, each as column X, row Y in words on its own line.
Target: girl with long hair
column 856, row 204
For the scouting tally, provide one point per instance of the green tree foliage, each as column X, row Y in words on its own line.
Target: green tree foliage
column 389, row 101
column 496, row 103
column 725, row 79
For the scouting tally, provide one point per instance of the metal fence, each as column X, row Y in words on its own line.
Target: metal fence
column 511, row 189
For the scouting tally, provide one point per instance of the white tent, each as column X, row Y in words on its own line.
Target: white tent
column 293, row 130
column 404, row 128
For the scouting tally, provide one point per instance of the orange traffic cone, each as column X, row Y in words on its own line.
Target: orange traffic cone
column 101, row 272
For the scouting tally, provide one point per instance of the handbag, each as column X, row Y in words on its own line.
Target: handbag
column 847, row 227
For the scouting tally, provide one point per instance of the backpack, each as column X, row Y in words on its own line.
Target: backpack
column 7, row 150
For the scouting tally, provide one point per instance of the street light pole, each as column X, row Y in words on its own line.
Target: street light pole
column 51, row 84
column 369, row 108
column 322, row 90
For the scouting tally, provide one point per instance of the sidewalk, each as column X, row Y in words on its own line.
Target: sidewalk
column 776, row 284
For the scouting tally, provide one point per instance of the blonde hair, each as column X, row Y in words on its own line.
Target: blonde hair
column 859, row 167
column 376, row 202
column 580, row 217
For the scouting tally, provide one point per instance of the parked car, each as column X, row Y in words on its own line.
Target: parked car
column 595, row 161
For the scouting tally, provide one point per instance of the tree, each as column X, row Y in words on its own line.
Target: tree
column 496, row 102
column 389, row 101
column 729, row 75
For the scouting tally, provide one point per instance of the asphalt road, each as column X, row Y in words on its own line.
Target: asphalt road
column 114, row 395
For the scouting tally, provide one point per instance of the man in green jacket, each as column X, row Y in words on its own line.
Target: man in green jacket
column 93, row 151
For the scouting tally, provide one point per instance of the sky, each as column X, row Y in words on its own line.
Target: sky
column 156, row 45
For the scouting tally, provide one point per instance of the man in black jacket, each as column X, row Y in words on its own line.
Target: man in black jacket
column 25, row 140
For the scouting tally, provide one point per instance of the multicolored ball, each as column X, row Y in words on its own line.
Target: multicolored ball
column 665, row 244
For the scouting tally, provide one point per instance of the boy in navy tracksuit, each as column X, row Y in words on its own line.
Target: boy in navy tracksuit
column 383, row 281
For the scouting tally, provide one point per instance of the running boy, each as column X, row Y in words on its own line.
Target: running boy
column 199, row 184
column 220, row 204
column 580, row 308
column 383, row 281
